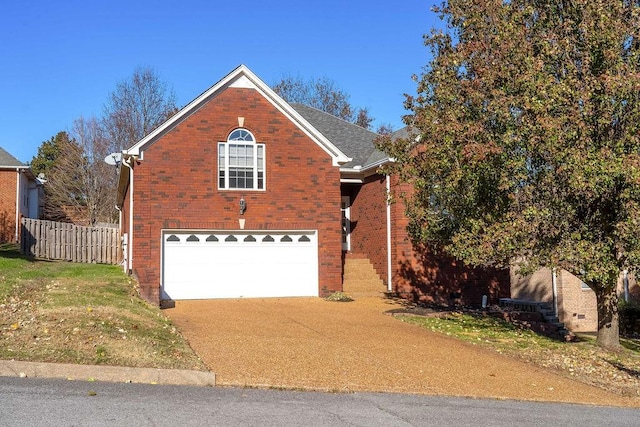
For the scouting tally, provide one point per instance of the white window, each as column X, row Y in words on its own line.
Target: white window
column 240, row 162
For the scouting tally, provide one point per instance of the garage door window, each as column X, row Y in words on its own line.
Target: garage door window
column 240, row 162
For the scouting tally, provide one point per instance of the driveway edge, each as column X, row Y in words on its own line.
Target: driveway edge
column 14, row 368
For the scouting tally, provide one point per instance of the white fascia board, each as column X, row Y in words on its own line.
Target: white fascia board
column 369, row 170
column 357, row 175
column 244, row 78
column 13, row 168
column 377, row 164
column 351, row 180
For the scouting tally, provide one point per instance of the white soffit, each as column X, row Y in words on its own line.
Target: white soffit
column 243, row 83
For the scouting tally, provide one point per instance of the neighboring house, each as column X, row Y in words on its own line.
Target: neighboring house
column 241, row 194
column 572, row 300
column 20, row 196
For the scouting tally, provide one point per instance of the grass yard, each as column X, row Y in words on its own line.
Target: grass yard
column 583, row 360
column 55, row 311
column 52, row 311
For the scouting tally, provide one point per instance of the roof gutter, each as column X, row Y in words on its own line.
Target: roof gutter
column 356, row 174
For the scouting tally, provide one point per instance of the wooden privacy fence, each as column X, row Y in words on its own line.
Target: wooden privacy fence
column 70, row 242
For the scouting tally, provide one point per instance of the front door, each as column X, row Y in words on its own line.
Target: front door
column 345, row 207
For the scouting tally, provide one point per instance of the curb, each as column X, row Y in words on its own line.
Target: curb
column 13, row 368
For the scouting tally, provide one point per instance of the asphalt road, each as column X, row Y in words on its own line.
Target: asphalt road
column 48, row 402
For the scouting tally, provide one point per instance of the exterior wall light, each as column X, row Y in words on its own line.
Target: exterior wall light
column 243, row 205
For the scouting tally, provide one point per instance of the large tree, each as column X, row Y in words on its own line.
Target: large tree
column 136, row 107
column 526, row 148
column 48, row 152
column 96, row 179
column 43, row 164
column 323, row 94
column 79, row 184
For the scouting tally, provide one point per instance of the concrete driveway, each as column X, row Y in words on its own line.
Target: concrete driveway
column 309, row 343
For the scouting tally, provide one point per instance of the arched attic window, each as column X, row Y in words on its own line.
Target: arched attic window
column 241, row 162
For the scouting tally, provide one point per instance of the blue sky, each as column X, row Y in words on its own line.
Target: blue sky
column 61, row 59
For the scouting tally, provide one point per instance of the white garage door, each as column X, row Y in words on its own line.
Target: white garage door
column 236, row 264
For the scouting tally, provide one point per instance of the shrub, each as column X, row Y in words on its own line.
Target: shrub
column 629, row 317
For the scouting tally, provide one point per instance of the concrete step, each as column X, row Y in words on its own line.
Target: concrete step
column 544, row 308
column 360, row 278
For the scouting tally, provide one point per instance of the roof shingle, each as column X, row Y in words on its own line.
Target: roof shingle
column 353, row 140
column 7, row 160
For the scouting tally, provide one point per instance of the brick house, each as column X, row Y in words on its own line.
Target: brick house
column 20, row 196
column 571, row 299
column 241, row 194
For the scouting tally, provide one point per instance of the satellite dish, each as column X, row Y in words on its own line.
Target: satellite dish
column 113, row 159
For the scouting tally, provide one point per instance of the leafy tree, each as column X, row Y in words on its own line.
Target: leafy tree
column 526, row 148
column 324, row 95
column 62, row 177
column 48, row 152
column 136, row 107
column 79, row 185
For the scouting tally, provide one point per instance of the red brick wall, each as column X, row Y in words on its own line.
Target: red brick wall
column 421, row 276
column 369, row 221
column 8, row 205
column 176, row 186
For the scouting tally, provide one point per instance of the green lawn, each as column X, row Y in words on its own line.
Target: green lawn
column 583, row 360
column 57, row 311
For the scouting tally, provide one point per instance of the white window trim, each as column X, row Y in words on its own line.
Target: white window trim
column 227, row 180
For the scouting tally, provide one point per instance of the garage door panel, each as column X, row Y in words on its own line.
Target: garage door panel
column 201, row 265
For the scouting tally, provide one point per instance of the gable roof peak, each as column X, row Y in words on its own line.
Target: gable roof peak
column 243, row 77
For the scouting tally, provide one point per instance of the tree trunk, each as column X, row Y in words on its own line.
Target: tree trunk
column 608, row 320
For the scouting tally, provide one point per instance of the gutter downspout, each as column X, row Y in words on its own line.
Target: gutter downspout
column 389, row 274
column 18, row 198
column 128, row 163
column 120, row 223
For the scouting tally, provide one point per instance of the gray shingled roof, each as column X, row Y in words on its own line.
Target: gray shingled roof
column 7, row 160
column 401, row 133
column 353, row 140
